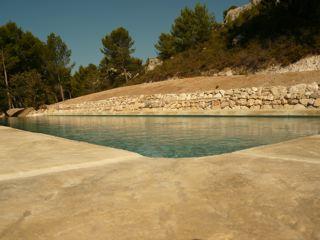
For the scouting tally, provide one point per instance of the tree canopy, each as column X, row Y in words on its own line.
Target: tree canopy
column 192, row 27
column 85, row 81
column 118, row 63
column 32, row 72
column 35, row 72
column 58, row 63
column 20, row 52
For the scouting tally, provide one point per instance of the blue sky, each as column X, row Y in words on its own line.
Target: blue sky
column 83, row 23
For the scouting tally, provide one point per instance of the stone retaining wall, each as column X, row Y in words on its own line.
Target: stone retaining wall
column 294, row 98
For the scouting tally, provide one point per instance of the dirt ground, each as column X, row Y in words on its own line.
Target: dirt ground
column 194, row 84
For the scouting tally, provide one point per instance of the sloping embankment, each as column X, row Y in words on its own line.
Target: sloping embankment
column 301, row 99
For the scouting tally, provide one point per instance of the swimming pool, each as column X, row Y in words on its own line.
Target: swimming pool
column 172, row 137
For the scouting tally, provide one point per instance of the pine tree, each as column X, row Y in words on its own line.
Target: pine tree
column 117, row 50
column 58, row 63
column 192, row 27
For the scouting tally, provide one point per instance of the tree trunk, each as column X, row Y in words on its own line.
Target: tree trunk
column 125, row 74
column 61, row 92
column 10, row 103
column 61, row 88
column 70, row 95
column 55, row 97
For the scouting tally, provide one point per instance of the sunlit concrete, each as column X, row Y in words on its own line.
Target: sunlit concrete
column 53, row 188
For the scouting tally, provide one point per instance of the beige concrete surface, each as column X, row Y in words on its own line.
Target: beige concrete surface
column 270, row 192
column 22, row 152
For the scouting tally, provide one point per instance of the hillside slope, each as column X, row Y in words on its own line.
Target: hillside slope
column 194, row 84
column 258, row 36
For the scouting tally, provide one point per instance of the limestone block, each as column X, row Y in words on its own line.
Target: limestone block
column 215, row 103
column 293, row 101
column 232, row 103
column 304, row 101
column 229, row 92
column 242, row 102
column 277, row 107
column 270, row 97
column 250, row 102
column 313, row 87
column 299, row 107
column 266, row 107
column 315, row 95
column 317, row 103
column 222, row 92
column 275, row 92
column 288, row 107
column 311, row 101
column 254, row 108
column 218, row 95
column 225, row 104
column 258, row 102
column 244, row 95
column 276, row 102
column 298, row 89
column 236, row 107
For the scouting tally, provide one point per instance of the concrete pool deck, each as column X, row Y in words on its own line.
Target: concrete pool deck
column 54, row 188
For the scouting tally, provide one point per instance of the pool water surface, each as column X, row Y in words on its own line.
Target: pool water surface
column 172, row 137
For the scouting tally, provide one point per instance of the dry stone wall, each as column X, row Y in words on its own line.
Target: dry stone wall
column 298, row 97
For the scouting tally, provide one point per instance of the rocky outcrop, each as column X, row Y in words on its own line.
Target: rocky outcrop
column 311, row 63
column 234, row 13
column 298, row 97
column 19, row 112
column 152, row 63
column 26, row 112
column 14, row 112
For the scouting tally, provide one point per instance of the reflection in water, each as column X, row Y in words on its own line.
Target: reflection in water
column 172, row 136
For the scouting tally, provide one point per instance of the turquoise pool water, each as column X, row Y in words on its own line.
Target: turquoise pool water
column 172, row 136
